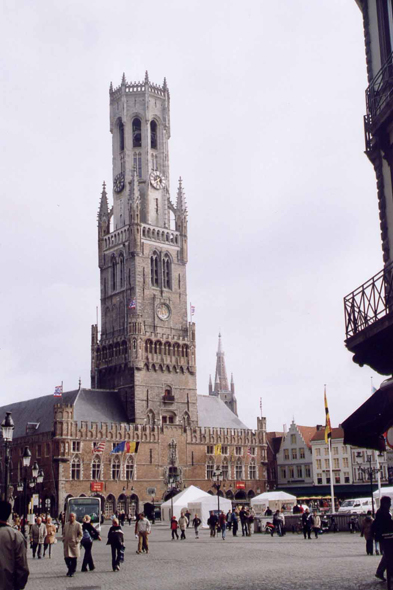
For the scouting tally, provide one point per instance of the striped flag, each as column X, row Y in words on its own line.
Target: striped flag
column 99, row 447
column 249, row 451
column 126, row 447
column 132, row 304
column 192, row 309
column 58, row 391
column 328, row 428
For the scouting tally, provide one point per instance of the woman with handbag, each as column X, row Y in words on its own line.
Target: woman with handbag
column 90, row 534
column 50, row 538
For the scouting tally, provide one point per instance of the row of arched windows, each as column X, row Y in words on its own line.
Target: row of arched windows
column 167, row 348
column 160, row 235
column 136, row 126
column 165, row 266
column 117, row 272
column 113, row 350
column 97, row 468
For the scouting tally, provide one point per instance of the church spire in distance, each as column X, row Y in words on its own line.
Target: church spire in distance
column 221, row 384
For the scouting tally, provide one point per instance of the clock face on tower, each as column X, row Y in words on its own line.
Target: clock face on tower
column 157, row 180
column 163, row 311
column 118, row 183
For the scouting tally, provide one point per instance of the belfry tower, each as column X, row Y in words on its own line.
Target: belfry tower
column 146, row 348
column 221, row 387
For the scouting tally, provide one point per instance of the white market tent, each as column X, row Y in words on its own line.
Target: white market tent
column 180, row 502
column 203, row 506
column 384, row 492
column 273, row 500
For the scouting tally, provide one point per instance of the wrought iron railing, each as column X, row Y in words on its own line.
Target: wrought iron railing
column 369, row 302
column 380, row 90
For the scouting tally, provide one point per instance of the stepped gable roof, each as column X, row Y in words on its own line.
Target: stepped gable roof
column 336, row 433
column 212, row 411
column 307, row 433
column 89, row 405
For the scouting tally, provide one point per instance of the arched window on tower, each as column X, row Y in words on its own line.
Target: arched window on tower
column 166, row 272
column 76, row 468
column 121, row 134
column 116, row 468
column 153, row 135
column 96, row 469
column 114, row 278
column 154, row 269
column 136, row 133
column 121, row 261
column 129, row 468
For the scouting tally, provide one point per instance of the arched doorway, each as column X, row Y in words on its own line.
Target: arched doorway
column 240, row 495
column 134, row 505
column 251, row 494
column 121, row 503
column 229, row 494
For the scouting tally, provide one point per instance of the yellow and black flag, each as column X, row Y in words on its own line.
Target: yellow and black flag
column 328, row 427
column 217, row 449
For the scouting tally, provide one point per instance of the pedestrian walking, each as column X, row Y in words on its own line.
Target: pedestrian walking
column 188, row 516
column 316, row 527
column 142, row 530
column 129, row 518
column 90, row 534
column 278, row 522
column 229, row 520
column 37, row 537
column 71, row 543
column 367, row 533
column 382, row 525
column 222, row 522
column 50, row 537
column 212, row 523
column 183, row 524
column 307, row 522
column 243, row 519
column 196, row 523
column 235, row 523
column 174, row 527
column 116, row 541
column 14, row 571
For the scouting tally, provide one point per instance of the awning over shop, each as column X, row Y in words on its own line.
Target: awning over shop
column 366, row 426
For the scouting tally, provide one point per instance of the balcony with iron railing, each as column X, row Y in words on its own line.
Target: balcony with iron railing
column 379, row 94
column 369, row 322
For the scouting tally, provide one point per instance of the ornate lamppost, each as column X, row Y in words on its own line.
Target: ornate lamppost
column 173, row 475
column 37, row 477
column 218, row 477
column 7, row 431
column 370, row 472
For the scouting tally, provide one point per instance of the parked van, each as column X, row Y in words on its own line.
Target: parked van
column 356, row 506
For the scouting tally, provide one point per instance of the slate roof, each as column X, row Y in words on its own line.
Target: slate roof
column 212, row 411
column 336, row 433
column 90, row 405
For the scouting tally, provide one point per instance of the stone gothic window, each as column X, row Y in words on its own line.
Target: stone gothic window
column 116, row 468
column 121, row 264
column 153, row 135
column 166, row 272
column 154, row 270
column 252, row 470
column 209, row 469
column 96, row 469
column 121, row 134
column 76, row 468
column 238, row 469
column 138, row 163
column 114, row 277
column 224, row 468
column 154, row 166
column 136, row 133
column 129, row 468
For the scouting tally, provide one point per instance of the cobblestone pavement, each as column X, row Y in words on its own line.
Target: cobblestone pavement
column 334, row 561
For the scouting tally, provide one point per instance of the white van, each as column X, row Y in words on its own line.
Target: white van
column 356, row 506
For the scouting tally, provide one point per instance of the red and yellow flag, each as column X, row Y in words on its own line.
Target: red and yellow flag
column 328, row 427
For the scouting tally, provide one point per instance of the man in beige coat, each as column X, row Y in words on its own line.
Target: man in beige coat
column 14, row 571
column 72, row 537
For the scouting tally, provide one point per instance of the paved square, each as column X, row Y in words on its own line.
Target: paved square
column 333, row 561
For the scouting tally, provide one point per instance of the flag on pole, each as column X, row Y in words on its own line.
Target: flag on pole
column 98, row 447
column 132, row 304
column 192, row 309
column 217, row 449
column 126, row 447
column 58, row 391
column 328, row 427
column 249, row 453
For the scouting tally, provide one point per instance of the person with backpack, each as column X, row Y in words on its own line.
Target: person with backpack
column 116, row 541
column 307, row 522
column 196, row 523
column 89, row 535
column 382, row 525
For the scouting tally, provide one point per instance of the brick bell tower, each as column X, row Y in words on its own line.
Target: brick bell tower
column 146, row 348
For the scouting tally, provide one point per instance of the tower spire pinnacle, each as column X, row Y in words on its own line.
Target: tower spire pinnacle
column 134, row 194
column 181, row 204
column 104, row 209
column 222, row 389
column 123, row 80
column 146, row 77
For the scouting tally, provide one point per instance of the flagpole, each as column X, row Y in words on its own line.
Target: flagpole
column 331, row 474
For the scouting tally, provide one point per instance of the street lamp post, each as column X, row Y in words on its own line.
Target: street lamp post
column 218, row 477
column 7, row 430
column 370, row 472
column 26, row 458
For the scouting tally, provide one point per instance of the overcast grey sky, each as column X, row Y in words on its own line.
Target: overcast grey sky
column 267, row 100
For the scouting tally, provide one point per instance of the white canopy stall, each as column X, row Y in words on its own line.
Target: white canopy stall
column 388, row 491
column 273, row 500
column 203, row 506
column 180, row 502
